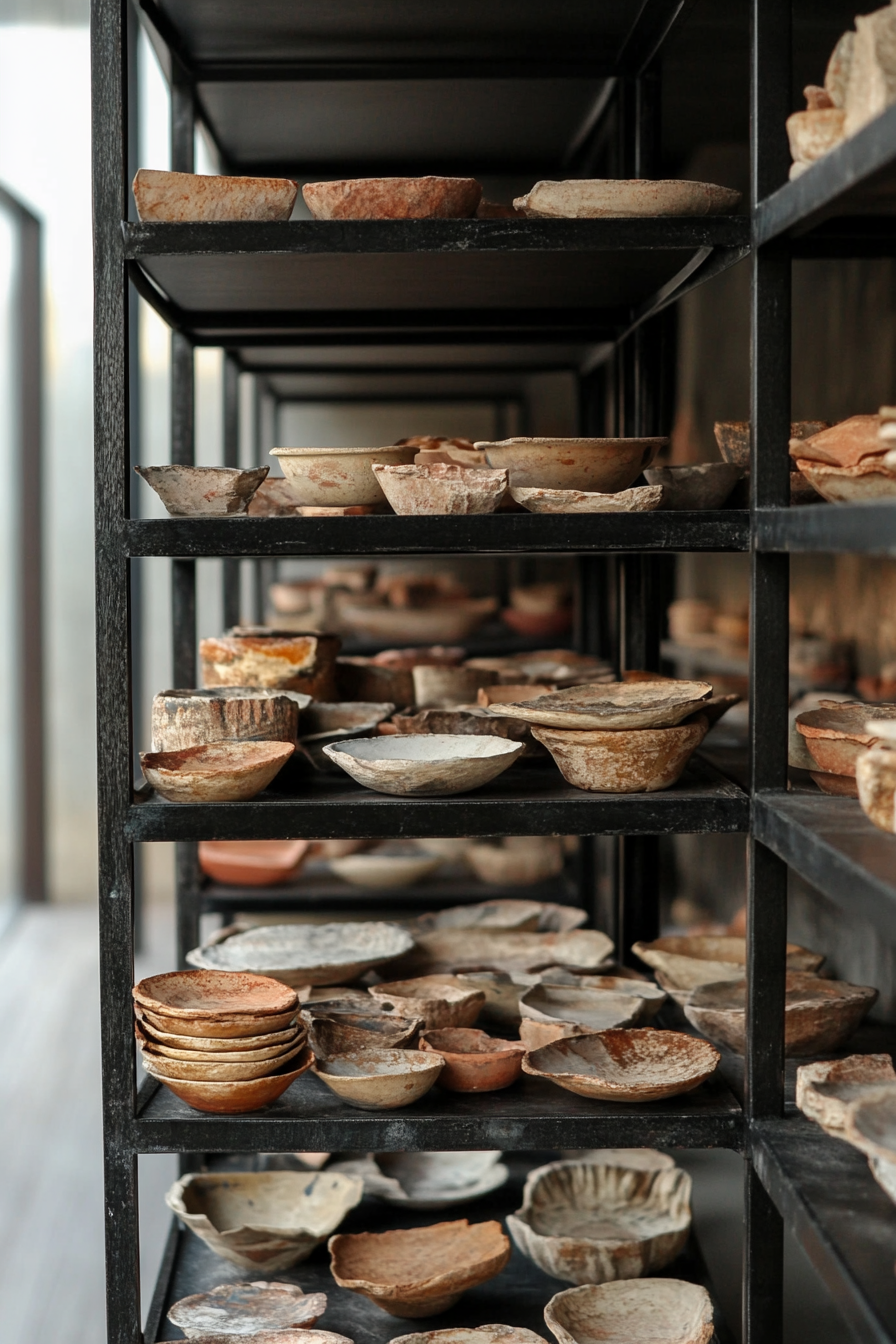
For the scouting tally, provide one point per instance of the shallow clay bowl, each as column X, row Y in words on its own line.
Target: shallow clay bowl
column 380, row 1079
column 324, row 723
column 499, row 914
column 550, row 1012
column 440, row 1000
column 238, row 1098
column 646, row 997
column 420, row 1271
column 469, row 1334
column 612, row 705
column 384, row 871
column 517, row 866
column 341, row 1033
column 474, row 1061
column 173, row 1041
column 849, row 485
column 641, row 760
column 826, row 1089
column 231, row 1032
column 689, row 960
column 191, row 995
column 251, row 863
column 704, row 486
column 211, row 492
column 442, row 488
column 594, row 1222
column 295, row 1039
column 443, row 624
column 602, row 466
column 819, row 1015
column 337, row 476
column 429, row 765
column 394, row 198
column 219, row 772
column 305, row 954
column 264, row 1220
column 234, row 1309
column 164, row 197
column 637, row 499
column 632, row 1311
column 223, row 1069
column 835, row 735
column 625, row 1064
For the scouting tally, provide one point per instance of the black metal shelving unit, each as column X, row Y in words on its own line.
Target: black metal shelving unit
column 481, row 299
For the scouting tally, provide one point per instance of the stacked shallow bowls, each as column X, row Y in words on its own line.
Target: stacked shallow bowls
column 220, row 1040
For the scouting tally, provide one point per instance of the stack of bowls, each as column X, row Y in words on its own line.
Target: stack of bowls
column 222, row 1041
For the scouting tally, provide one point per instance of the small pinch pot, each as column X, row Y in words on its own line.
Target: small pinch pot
column 637, row 499
column 643, row 760
column 234, row 1309
column 338, row 475
column 322, row 723
column 237, row 1098
column 618, row 198
column 440, row 1000
column 836, row 734
column 632, row 1311
column 251, row 863
column 378, row 1079
column 467, row 1334
column 704, row 486
column 604, row 466
column 203, row 995
column 594, row 1222
column 550, row 1012
column 876, row 781
column 474, row 1061
column 432, row 765
column 819, row 1014
column 203, row 492
column 304, row 954
column 345, row 1032
column 264, row 1220
column 220, row 772
column 849, row 485
column 195, row 718
column 420, row 1271
column 612, row 705
column 394, row 198
column 163, row 197
column 733, row 437
column 630, row 1064
column 689, row 960
column 441, row 488
column 825, row 1090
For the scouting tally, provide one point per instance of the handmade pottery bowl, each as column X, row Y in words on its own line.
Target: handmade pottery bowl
column 237, row 1098
column 550, row 1012
column 850, row 485
column 474, row 1061
column 340, row 1031
column 689, row 960
column 385, row 871
column 447, row 950
column 498, row 914
column 193, row 1048
column 643, row 760
column 836, row 734
column 230, row 1030
column 632, row 1311
column 704, row 486
column 221, row 1069
column 221, row 772
column 594, row 1222
column 647, row 998
column 441, row 488
column 440, row 1000
column 252, row 863
column 876, row 781
column 379, row 1079
column 825, row 1089
column 444, row 687
column 190, row 995
column 613, row 705
column 428, row 1180
column 263, row 1220
column 617, row 198
column 627, row 1064
column 604, row 466
column 338, row 475
column 637, row 499
column 518, row 865
column 445, row 623
column 174, row 1041
column 194, row 197
column 431, row 765
column 421, row 1271
column 244, row 1308
column 305, row 954
column 322, row 723
column 819, row 1015
column 394, row 198
column 210, row 492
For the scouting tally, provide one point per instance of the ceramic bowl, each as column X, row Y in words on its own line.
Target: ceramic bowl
column 283, row 660
column 441, row 488
column 689, row 960
column 323, row 723
column 338, row 476
column 643, row 760
column 382, row 872
column 499, row 914
column 632, row 1311
column 428, row 1180
column 394, row 198
column 704, row 486
column 474, row 1061
column 647, row 998
column 836, row 734
column 252, row 863
column 192, row 1048
column 627, row 1064
column 446, row 950
column 470, row 1334
column 604, row 466
column 380, row 1079
column 221, row 772
column 825, row 1089
column 850, row 485
column 613, row 705
column 550, row 1012
column 245, row 1308
column 231, row 1030
column 263, row 1220
column 819, row 1014
column 518, row 865
column 637, row 499
column 210, row 492
column 618, row 198
column 853, row 442
column 239, row 1097
column 593, row 1222
column 341, row 1031
column 173, row 1041
column 876, row 783
column 441, row 1000
column 204, row 995
column 502, row 994
column 446, row 623
column 305, row 954
column 222, row 1067
column 421, row 1271
column 425, row 766
column 194, row 197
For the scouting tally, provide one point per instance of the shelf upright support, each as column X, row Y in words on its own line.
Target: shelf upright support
column 109, row 99
column 770, row 374
column 231, row 421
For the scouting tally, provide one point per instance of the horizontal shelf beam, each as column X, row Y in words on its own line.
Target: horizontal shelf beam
column 868, row 529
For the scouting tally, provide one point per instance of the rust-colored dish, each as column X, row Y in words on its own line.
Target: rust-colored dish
column 245, row 1308
column 819, row 1015
column 252, row 863
column 440, row 1000
column 641, row 760
column 208, row 994
column 836, row 734
column 420, row 1271
column 237, row 1098
column 850, row 485
column 626, row 1064
column 221, row 772
column 394, row 198
column 474, row 1061
column 845, row 444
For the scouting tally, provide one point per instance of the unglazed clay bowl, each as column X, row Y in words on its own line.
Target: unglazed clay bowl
column 346, row 1032
column 394, row 198
column 612, row 705
column 205, row 995
column 470, row 1334
column 626, row 1064
column 231, row 1030
column 474, row 1061
column 221, row 772
column 428, row 1180
column 637, row 499
column 836, row 734
column 242, row 1309
column 550, row 1012
column 237, row 1098
column 382, row 872
column 632, row 1311
column 704, row 486
column 642, row 760
column 222, row 1068
column 338, row 476
column 305, row 954
column 441, row 488
column 251, row 863
column 819, row 1015
column 378, row 1079
column 323, row 723
column 194, row 1048
column 440, row 1000
column 689, row 960
column 430, row 765
column 203, row 492
column 194, row 197
column 604, row 466
column 619, row 198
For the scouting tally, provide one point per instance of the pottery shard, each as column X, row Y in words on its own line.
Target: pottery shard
column 191, row 718
column 189, row 197
column 876, row 780
column 836, row 77
column 872, row 71
column 826, row 1089
column 394, row 198
column 289, row 662
column 842, row 445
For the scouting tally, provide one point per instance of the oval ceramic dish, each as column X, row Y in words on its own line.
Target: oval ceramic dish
column 429, row 765
column 628, row 1064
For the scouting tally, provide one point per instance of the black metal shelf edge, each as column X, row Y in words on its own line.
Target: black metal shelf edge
column 868, row 529
column 832, row 845
column 840, row 1216
column 724, row 530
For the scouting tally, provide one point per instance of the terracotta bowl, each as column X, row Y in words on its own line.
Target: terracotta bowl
column 550, row 1012
column 264, row 1220
column 221, row 772
column 197, row 492
column 613, row 705
column 337, row 475
column 252, row 863
column 305, row 954
column 231, row 1031
column 837, row 786
column 421, row 1271
column 440, row 1000
column 428, row 1180
column 394, row 198
column 637, row 499
column 382, row 872
column 295, row 1039
column 242, row 1308
column 594, row 1222
column 689, row 960
column 593, row 465
column 819, row 1015
column 427, row 766
column 633, row 1311
column 189, row 995
column 222, row 1069
column 237, row 1098
column 441, row 488
column 340, row 1033
column 628, row 1064
column 470, row 1334
column 826, row 1089
column 175, row 1043
column 836, row 734
column 379, row 1079
column 474, row 1061
column 644, row 760
column 704, row 486
column 193, row 197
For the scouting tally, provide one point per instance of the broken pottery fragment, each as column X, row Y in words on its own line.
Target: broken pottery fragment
column 871, row 87
column 203, row 492
column 876, row 781
column 637, row 499
column 826, row 1089
column 271, row 659
column 193, row 718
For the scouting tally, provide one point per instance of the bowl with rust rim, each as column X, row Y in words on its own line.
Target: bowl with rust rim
column 441, row 1000
column 218, row 772
column 474, row 1061
column 630, row 1064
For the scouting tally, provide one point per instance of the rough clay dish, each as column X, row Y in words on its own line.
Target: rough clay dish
column 464, row 721
column 421, row 1271
column 846, row 444
column 272, row 659
column 622, row 198
column 509, row 950
column 850, row 485
column 642, row 760
column 252, row 863
column 838, row 786
column 444, row 623
column 507, row 914
column 428, row 1180
column 550, row 1012
column 467, row 1334
column 220, row 772
column 246, row 1308
column 835, row 735
column 689, row 960
column 222, row 1069
column 704, row 486
column 394, row 198
column 264, row 1039
column 190, row 995
column 605, row 466
column 876, row 781
column 613, row 705
column 632, row 1311
column 378, row 1079
column 647, row 997
column 264, row 1220
column 440, row 1000
column 163, row 197
column 203, row 492
column 637, row 499
column 429, row 765
column 305, row 954
column 595, row 1222
column 441, row 488
column 385, row 871
column 474, row 1061
column 344, row 1032
column 825, row 1089
column 626, row 1064
column 819, row 1014
column 338, row 476
column 238, row 1098
column 231, row 1030
column 195, row 1047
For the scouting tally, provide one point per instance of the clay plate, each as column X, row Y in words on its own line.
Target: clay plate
column 394, row 198
column 305, row 954
column 691, row 960
column 441, row 488
column 550, row 1012
column 420, row 1271
column 605, row 466
column 203, row 492
column 427, row 766
column 206, row 994
column 819, row 1014
column 245, row 1308
column 474, row 1061
column 613, row 705
column 704, row 486
column 251, row 863
column 163, row 197
column 636, row 499
column 641, row 760
column 380, row 1079
column 340, row 1033
column 440, row 1000
column 627, row 1064
column 237, row 1098
column 220, row 772
column 622, row 198
column 632, row 1311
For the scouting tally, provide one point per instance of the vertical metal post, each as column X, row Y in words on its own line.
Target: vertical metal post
column 231, row 422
